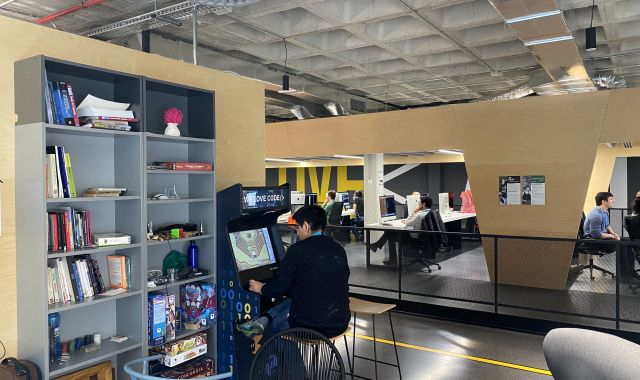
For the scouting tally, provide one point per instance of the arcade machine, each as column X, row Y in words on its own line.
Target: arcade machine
column 249, row 247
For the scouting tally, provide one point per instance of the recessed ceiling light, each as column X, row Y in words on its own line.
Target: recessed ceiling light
column 346, row 156
column 282, row 160
column 532, row 16
column 548, row 40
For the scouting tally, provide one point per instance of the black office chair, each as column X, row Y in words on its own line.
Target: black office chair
column 632, row 225
column 427, row 245
column 593, row 250
column 335, row 219
column 296, row 354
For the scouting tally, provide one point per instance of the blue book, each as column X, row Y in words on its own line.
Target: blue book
column 57, row 100
column 47, row 100
column 63, row 172
column 67, row 111
column 78, row 283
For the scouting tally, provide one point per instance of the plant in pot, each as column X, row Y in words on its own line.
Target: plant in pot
column 172, row 117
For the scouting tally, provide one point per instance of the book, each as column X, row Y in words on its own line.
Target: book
column 102, row 125
column 52, row 176
column 72, row 100
column 170, row 165
column 112, row 118
column 91, row 194
column 53, row 149
column 107, row 239
column 117, row 271
column 70, row 180
column 62, row 171
column 97, row 111
column 57, row 100
column 47, row 100
column 67, row 112
column 107, row 189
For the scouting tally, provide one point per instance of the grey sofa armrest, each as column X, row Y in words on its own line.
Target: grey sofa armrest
column 585, row 354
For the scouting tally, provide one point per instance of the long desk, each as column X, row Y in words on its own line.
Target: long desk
column 452, row 221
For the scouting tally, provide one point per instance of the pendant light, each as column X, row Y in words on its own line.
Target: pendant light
column 591, row 32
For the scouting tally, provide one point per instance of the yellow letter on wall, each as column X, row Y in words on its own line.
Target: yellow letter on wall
column 345, row 184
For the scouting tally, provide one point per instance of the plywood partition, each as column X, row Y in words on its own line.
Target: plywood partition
column 554, row 136
column 239, row 123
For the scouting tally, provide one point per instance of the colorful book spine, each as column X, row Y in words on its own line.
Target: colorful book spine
column 70, row 180
column 47, row 101
column 72, row 100
column 67, row 113
column 63, row 171
column 57, row 100
column 198, row 166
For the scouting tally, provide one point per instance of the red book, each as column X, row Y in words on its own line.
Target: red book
column 67, row 225
column 72, row 99
column 196, row 166
column 54, row 231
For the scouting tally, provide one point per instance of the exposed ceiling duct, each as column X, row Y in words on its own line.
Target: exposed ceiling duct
column 541, row 26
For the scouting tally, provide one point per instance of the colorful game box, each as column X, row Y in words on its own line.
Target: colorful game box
column 199, row 303
column 185, row 349
column 171, row 316
column 201, row 367
column 156, row 310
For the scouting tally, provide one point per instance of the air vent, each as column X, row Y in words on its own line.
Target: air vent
column 357, row 105
column 627, row 145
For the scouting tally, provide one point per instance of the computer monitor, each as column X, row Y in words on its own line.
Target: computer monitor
column 387, row 208
column 343, row 197
column 443, row 203
column 310, row 199
column 413, row 201
column 297, row 198
column 254, row 255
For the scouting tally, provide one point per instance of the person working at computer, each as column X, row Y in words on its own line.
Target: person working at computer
column 596, row 226
column 412, row 223
column 329, row 201
column 358, row 221
column 314, row 277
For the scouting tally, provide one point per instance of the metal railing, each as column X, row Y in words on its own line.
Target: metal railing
column 545, row 278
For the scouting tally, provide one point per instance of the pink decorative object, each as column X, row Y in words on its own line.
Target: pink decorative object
column 173, row 115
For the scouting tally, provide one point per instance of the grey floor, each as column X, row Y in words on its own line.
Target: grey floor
column 446, row 337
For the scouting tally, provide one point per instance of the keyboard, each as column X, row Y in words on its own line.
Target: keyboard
column 393, row 223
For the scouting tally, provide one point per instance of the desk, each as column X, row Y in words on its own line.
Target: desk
column 452, row 221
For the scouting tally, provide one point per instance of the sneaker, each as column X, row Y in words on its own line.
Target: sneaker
column 250, row 329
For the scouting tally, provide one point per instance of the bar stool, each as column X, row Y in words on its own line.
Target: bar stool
column 373, row 309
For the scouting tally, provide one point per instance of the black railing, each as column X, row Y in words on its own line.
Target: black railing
column 504, row 274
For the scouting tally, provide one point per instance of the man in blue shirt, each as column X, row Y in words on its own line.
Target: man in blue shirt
column 596, row 226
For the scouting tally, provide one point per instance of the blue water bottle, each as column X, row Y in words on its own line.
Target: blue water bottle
column 192, row 255
column 55, row 349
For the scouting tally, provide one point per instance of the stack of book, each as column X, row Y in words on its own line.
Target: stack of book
column 94, row 112
column 73, row 279
column 69, row 229
column 59, row 176
column 104, row 191
column 61, row 104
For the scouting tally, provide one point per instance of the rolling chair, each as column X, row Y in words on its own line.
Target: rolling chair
column 335, row 219
column 632, row 225
column 426, row 244
column 592, row 250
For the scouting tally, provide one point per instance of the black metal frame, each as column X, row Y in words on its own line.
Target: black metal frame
column 497, row 305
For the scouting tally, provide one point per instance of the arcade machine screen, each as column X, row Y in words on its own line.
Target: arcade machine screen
column 254, row 254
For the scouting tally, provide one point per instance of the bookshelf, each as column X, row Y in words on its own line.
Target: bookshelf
column 108, row 158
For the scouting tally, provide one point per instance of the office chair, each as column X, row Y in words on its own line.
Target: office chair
column 592, row 250
column 334, row 219
column 297, row 353
column 632, row 225
column 426, row 244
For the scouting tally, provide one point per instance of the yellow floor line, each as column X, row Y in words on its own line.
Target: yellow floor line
column 456, row 355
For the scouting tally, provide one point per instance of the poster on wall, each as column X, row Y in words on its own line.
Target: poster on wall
column 526, row 189
column 537, row 190
column 509, row 190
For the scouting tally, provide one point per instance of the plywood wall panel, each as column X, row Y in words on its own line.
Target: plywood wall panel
column 622, row 121
column 239, row 121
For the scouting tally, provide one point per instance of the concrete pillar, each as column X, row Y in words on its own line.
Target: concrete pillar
column 373, row 186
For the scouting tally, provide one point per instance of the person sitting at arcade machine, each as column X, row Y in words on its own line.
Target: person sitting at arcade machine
column 314, row 276
column 414, row 223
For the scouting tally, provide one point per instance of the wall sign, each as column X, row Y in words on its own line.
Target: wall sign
column 521, row 190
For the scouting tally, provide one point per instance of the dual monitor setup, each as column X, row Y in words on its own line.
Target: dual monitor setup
column 388, row 206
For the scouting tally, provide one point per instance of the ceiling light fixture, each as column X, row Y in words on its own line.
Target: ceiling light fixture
column 590, row 32
column 226, row 3
column 282, row 160
column 532, row 16
column 548, row 40
column 346, row 156
column 447, row 151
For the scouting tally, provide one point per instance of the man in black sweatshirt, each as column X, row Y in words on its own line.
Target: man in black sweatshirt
column 314, row 277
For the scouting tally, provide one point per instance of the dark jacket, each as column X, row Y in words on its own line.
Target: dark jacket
column 315, row 275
